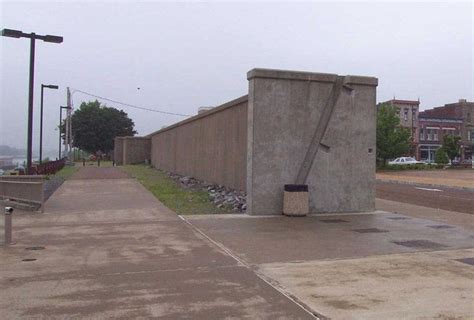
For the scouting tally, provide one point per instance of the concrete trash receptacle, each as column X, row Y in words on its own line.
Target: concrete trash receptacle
column 295, row 200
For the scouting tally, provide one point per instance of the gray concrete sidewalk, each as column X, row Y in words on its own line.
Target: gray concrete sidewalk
column 106, row 248
column 111, row 250
column 460, row 219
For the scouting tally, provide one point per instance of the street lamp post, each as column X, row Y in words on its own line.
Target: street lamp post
column 49, row 86
column 60, row 122
column 32, row 36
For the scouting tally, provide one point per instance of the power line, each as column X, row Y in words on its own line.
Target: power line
column 131, row 105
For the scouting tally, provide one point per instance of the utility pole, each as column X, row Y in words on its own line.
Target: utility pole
column 69, row 132
column 60, row 123
column 29, row 145
column 66, row 129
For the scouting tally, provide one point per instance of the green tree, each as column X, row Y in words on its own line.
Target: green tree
column 451, row 146
column 392, row 139
column 441, row 157
column 94, row 127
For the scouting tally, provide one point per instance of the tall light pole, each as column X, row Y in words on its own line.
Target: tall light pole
column 49, row 86
column 60, row 123
column 32, row 36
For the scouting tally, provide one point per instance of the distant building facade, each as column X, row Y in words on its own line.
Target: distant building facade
column 453, row 118
column 432, row 129
column 430, row 126
column 408, row 111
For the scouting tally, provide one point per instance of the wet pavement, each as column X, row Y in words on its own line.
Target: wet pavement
column 463, row 220
column 106, row 248
column 285, row 239
column 357, row 266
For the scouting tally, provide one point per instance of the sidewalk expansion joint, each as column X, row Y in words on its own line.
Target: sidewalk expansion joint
column 254, row 270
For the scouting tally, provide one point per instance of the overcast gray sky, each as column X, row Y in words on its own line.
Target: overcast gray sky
column 186, row 55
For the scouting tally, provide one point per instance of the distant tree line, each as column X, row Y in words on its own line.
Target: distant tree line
column 10, row 151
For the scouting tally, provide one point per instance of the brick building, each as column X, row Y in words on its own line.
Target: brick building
column 453, row 118
column 430, row 126
column 432, row 129
column 408, row 111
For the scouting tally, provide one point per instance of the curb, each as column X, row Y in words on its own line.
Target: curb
column 425, row 184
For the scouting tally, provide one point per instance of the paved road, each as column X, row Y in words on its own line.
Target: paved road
column 434, row 197
column 448, row 178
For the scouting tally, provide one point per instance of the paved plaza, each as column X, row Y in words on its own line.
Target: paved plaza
column 106, row 248
column 109, row 249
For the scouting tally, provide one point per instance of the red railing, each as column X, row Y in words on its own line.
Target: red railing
column 47, row 168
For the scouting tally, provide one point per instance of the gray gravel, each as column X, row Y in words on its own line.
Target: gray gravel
column 220, row 195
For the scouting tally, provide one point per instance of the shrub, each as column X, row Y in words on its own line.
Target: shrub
column 441, row 157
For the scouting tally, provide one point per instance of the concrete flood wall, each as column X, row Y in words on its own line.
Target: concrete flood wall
column 132, row 150
column 26, row 189
column 284, row 112
column 118, row 151
column 293, row 127
column 211, row 146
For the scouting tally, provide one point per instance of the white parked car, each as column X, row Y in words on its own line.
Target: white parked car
column 405, row 160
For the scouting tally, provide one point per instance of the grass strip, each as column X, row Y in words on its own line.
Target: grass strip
column 171, row 194
column 66, row 172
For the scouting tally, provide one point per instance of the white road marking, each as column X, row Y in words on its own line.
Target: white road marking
column 428, row 189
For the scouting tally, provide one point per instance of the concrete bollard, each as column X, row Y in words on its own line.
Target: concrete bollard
column 8, row 225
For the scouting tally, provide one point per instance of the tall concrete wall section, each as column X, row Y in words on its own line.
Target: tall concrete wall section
column 118, row 151
column 131, row 150
column 285, row 109
column 211, row 146
column 136, row 150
